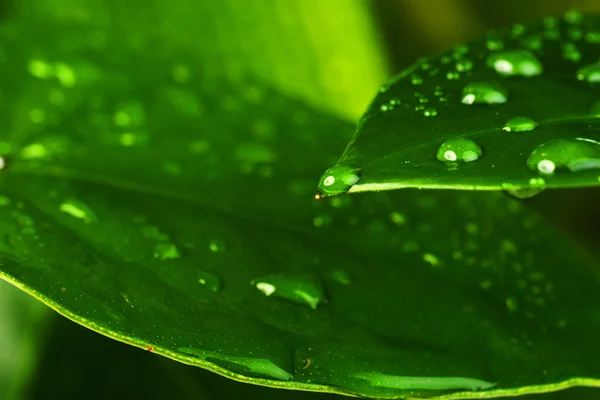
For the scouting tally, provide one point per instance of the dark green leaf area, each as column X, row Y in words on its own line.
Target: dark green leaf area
column 177, row 215
column 526, row 99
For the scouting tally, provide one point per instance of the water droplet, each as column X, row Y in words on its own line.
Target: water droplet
column 65, row 74
column 299, row 289
column 525, row 193
column 2, row 163
column 494, row 44
column 453, row 75
column 422, row 382
column 573, row 16
column 464, row 65
column 166, row 251
column 416, row 80
column 577, row 154
column 520, row 124
column 209, row 280
column 337, row 180
column 515, row 63
column 431, row 259
column 217, row 246
column 459, row 150
column 484, row 93
column 340, row 276
column 430, row 112
column 570, row 52
column 589, row 73
column 79, row 210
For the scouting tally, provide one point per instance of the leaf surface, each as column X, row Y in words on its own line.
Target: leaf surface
column 516, row 111
column 177, row 217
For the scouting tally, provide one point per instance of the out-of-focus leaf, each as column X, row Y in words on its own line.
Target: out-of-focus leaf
column 516, row 111
column 327, row 53
column 21, row 328
column 176, row 216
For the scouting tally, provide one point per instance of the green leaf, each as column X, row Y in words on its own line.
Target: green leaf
column 516, row 111
column 178, row 218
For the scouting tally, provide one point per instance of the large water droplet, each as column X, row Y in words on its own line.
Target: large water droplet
column 515, row 62
column 577, row 154
column 520, row 124
column 459, row 150
column 590, row 73
column 300, row 289
column 484, row 93
column 337, row 180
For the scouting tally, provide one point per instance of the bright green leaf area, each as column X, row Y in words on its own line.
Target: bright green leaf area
column 516, row 111
column 177, row 216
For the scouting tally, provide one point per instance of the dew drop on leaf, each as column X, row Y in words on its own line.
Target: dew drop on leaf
column 337, row 180
column 79, row 210
column 589, row 73
column 520, row 124
column 484, row 93
column 166, row 251
column 216, row 246
column 577, row 154
column 459, row 150
column 299, row 289
column 209, row 280
column 515, row 63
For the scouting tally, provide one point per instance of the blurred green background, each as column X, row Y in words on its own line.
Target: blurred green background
column 331, row 53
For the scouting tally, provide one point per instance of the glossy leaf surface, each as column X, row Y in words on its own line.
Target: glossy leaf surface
column 177, row 216
column 525, row 100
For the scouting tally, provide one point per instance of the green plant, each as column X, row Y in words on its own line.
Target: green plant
column 161, row 194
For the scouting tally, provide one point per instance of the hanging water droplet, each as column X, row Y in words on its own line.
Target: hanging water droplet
column 484, row 93
column 515, row 63
column 79, row 210
column 166, row 251
column 299, row 289
column 337, row 180
column 459, row 150
column 526, row 193
column 209, row 280
column 577, row 154
column 589, row 73
column 520, row 124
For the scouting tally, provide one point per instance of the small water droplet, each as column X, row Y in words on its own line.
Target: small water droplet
column 571, row 52
column 526, row 193
column 589, row 73
column 430, row 112
column 577, row 154
column 209, row 280
column 464, row 65
column 337, row 180
column 166, row 251
column 217, row 246
column 416, row 80
column 79, row 210
column 2, row 163
column 520, row 124
column 299, row 289
column 484, row 93
column 515, row 63
column 459, row 150
column 340, row 276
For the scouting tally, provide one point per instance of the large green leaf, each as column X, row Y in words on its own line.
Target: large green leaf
column 514, row 111
column 176, row 216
